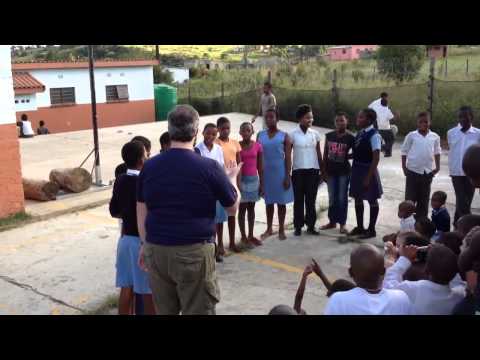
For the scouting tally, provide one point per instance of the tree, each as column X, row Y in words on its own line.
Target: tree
column 400, row 62
column 162, row 75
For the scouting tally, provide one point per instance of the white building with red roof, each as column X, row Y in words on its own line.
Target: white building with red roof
column 59, row 93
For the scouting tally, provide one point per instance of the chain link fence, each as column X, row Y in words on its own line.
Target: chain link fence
column 407, row 100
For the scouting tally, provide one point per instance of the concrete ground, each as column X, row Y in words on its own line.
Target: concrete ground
column 66, row 264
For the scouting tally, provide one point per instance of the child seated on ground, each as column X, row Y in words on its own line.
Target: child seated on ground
column 368, row 298
column 391, row 247
column 417, row 270
column 469, row 266
column 425, row 227
column 406, row 212
column 440, row 215
column 130, row 277
column 165, row 142
column 467, row 223
column 336, row 286
column 453, row 240
column 282, row 310
column 433, row 296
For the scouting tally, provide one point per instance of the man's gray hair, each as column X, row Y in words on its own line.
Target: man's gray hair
column 183, row 123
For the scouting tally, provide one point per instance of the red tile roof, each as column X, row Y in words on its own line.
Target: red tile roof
column 40, row 65
column 24, row 83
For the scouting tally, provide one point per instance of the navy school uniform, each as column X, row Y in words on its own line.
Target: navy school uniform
column 366, row 141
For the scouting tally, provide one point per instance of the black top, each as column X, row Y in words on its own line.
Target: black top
column 338, row 148
column 180, row 190
column 124, row 203
column 362, row 150
column 441, row 219
column 120, row 169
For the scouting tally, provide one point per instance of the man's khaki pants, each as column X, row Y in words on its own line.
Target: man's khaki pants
column 183, row 278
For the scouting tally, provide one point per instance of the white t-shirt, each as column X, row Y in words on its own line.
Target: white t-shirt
column 458, row 143
column 305, row 148
column 384, row 115
column 358, row 301
column 27, row 128
column 427, row 297
column 407, row 224
column 215, row 154
column 420, row 151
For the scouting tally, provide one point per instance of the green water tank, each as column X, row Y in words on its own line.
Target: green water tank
column 165, row 100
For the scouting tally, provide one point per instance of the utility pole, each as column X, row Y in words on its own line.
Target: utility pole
column 157, row 53
column 430, row 87
column 98, row 175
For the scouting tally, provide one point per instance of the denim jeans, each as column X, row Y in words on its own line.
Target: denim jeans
column 338, row 199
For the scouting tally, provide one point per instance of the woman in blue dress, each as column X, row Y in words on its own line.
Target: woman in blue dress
column 277, row 162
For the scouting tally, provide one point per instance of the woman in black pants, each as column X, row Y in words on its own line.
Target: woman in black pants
column 307, row 162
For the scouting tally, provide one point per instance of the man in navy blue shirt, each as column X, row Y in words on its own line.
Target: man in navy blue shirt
column 176, row 200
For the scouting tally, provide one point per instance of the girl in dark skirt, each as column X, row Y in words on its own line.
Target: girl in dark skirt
column 365, row 183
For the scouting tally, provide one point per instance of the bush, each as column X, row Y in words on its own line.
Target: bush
column 358, row 75
column 400, row 62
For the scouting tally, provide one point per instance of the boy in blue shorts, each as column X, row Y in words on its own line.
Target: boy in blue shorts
column 130, row 277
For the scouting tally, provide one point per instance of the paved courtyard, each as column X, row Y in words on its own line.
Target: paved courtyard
column 66, row 265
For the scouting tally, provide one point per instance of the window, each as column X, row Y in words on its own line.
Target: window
column 117, row 92
column 59, row 96
column 344, row 51
column 16, row 101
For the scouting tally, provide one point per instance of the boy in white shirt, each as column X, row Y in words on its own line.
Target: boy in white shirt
column 406, row 213
column 419, row 150
column 384, row 116
column 460, row 138
column 435, row 296
column 368, row 298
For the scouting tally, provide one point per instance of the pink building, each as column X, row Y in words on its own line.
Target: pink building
column 349, row 52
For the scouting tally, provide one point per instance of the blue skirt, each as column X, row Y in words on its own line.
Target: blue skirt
column 220, row 214
column 250, row 188
column 359, row 172
column 129, row 274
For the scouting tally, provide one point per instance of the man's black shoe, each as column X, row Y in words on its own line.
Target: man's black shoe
column 312, row 231
column 356, row 232
column 369, row 234
column 298, row 232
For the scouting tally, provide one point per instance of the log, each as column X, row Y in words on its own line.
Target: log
column 40, row 190
column 72, row 179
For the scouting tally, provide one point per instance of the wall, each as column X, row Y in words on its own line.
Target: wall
column 357, row 49
column 180, row 75
column 29, row 102
column 11, row 189
column 79, row 117
column 138, row 79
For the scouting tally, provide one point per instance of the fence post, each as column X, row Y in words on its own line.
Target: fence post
column 431, row 80
column 269, row 76
column 189, row 95
column 446, row 67
column 467, row 67
column 223, row 98
column 334, row 92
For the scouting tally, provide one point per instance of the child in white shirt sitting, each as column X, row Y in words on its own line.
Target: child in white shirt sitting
column 435, row 296
column 368, row 298
column 406, row 213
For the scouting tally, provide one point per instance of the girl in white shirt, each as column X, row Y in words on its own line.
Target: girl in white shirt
column 213, row 151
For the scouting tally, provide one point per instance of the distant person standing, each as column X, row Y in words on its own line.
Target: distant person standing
column 419, row 150
column 267, row 101
column 26, row 130
column 384, row 116
column 42, row 129
column 460, row 138
column 307, row 162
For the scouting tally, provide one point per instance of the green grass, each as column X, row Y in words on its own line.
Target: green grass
column 15, row 220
